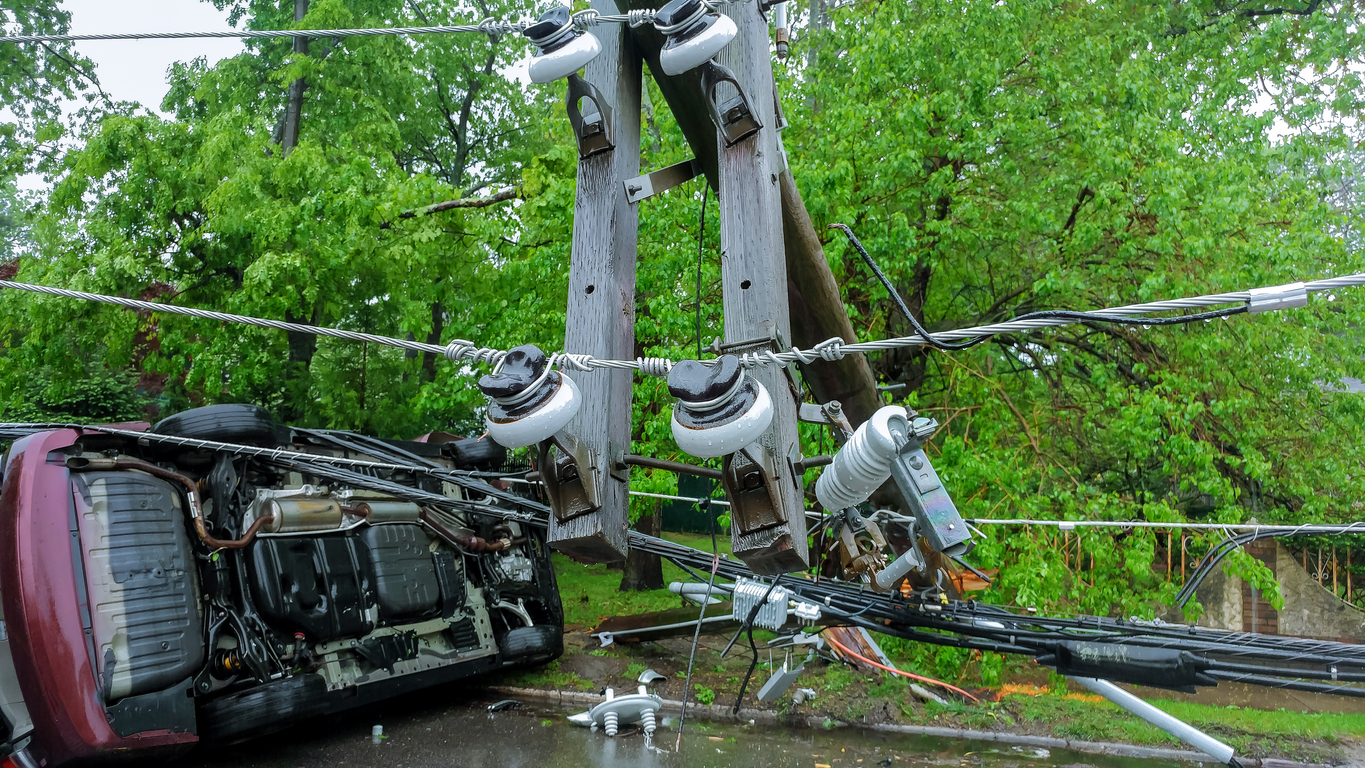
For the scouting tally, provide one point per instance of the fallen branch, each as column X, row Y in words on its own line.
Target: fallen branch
column 510, row 193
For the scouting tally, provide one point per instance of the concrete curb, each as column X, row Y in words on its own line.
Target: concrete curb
column 721, row 713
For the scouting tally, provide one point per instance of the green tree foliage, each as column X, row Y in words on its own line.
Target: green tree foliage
column 1004, row 158
column 996, row 158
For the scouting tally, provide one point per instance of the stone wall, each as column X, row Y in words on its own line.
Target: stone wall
column 1309, row 609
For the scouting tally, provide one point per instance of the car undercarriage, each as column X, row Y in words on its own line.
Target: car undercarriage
column 224, row 576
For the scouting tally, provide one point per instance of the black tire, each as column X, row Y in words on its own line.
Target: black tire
column 231, row 423
column 476, row 453
column 533, row 645
column 263, row 709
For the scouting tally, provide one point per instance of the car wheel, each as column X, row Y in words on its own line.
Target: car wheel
column 230, row 423
column 475, row 453
column 263, row 709
column 533, row 645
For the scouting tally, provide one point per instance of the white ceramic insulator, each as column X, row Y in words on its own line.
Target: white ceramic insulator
column 726, row 438
column 864, row 463
column 542, row 422
column 549, row 67
column 647, row 722
column 695, row 52
column 609, row 721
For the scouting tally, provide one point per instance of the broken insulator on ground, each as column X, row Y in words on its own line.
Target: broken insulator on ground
column 527, row 400
column 720, row 409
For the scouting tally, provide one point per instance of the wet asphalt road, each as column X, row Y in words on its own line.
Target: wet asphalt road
column 451, row 727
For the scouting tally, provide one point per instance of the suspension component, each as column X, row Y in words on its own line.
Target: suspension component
column 226, row 663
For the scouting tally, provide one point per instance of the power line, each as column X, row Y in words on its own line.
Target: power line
column 1256, row 301
column 1066, row 525
column 490, row 27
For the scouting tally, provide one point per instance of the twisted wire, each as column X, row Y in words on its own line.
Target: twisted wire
column 830, row 349
column 582, row 21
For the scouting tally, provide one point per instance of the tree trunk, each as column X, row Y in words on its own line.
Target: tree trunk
column 293, row 111
column 438, row 326
column 302, row 347
column 817, row 313
column 644, row 572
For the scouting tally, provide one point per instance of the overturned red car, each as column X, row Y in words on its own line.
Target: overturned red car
column 222, row 576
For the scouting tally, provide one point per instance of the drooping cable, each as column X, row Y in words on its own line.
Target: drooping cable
column 1050, row 314
column 830, row 349
column 491, row 27
column 701, row 247
column 703, row 505
column 854, row 654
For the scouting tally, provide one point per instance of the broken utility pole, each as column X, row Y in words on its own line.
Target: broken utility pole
column 604, row 107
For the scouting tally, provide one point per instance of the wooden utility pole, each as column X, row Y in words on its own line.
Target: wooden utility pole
column 601, row 309
column 754, row 279
column 816, row 309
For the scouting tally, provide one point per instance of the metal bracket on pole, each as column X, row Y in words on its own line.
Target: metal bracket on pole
column 661, row 181
column 750, row 478
column 570, row 477
column 735, row 118
column 938, row 518
column 591, row 526
column 754, row 280
column 593, row 130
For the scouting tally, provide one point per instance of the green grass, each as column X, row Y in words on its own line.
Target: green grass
column 837, row 679
column 1252, row 732
column 548, row 676
column 592, row 592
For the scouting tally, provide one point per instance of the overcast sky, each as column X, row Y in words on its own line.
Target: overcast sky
column 135, row 70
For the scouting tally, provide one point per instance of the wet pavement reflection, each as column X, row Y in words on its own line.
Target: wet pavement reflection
column 455, row 729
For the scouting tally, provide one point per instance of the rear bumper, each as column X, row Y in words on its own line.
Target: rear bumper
column 47, row 611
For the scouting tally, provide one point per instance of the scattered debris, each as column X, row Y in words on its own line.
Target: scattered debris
column 376, row 734
column 624, row 710
column 927, row 695
column 649, row 676
column 505, row 704
column 803, row 695
column 781, row 680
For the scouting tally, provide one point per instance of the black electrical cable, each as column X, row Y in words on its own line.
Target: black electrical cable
column 1050, row 314
column 749, row 625
column 701, row 247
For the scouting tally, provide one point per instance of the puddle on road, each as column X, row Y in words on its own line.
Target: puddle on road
column 431, row 733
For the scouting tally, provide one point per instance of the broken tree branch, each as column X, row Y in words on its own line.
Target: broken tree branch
column 501, row 196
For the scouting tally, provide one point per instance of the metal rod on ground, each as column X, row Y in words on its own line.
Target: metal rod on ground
column 1177, row 728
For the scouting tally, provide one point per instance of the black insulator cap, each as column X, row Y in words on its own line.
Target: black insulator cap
column 521, row 368
column 676, row 12
column 549, row 23
column 692, row 382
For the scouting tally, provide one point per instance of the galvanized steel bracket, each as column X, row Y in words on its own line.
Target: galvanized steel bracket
column 570, row 476
column 735, row 118
column 593, row 130
column 749, row 477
